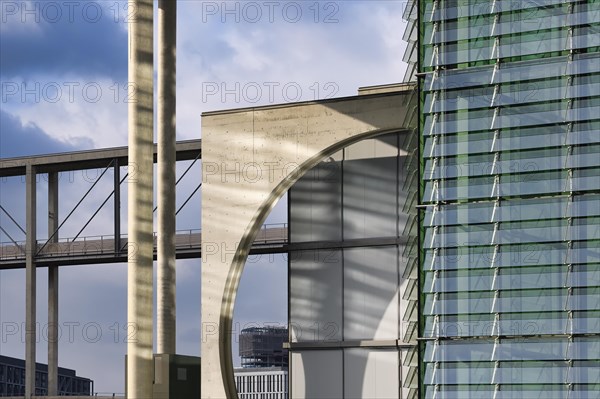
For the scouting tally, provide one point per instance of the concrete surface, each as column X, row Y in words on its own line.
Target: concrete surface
column 250, row 159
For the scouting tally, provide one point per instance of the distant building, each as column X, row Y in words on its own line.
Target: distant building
column 263, row 347
column 12, row 380
column 262, row 383
column 264, row 371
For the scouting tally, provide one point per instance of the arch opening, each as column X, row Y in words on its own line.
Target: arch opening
column 242, row 252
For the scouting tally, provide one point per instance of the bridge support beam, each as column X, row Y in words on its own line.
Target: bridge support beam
column 140, row 289
column 53, row 288
column 117, row 205
column 166, row 268
column 30, row 280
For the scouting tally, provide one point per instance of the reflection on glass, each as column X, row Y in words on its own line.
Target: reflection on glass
column 510, row 193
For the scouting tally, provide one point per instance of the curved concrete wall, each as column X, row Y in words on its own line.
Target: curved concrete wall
column 250, row 158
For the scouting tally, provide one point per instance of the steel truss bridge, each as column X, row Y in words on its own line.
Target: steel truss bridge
column 82, row 250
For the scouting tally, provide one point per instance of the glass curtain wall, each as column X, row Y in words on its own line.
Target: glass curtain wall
column 509, row 276
column 353, row 273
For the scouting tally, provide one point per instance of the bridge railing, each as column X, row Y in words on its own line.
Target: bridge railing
column 88, row 245
column 269, row 234
column 272, row 233
column 10, row 250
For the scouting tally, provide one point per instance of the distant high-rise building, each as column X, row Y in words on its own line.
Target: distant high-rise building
column 263, row 347
column 264, row 371
column 12, row 380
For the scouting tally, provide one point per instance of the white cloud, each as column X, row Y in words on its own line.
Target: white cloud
column 249, row 56
column 20, row 17
column 70, row 108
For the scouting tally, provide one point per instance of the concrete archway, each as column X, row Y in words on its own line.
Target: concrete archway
column 251, row 157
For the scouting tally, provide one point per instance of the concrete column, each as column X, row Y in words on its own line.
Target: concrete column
column 140, row 202
column 30, row 282
column 53, row 289
column 166, row 273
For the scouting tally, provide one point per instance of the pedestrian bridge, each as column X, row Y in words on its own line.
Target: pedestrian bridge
column 100, row 249
column 103, row 249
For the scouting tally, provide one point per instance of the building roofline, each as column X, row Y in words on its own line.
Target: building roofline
column 401, row 88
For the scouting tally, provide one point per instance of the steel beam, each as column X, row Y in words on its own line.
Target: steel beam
column 53, row 289
column 166, row 270
column 187, row 150
column 30, row 281
column 117, row 206
column 140, row 289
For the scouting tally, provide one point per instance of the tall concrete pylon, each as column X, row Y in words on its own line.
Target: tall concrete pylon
column 166, row 273
column 140, row 370
column 30, row 280
column 53, row 288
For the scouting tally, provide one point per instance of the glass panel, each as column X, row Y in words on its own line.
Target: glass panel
column 546, row 18
column 522, row 184
column 584, row 348
column 515, row 72
column 529, row 115
column 316, row 295
column 370, row 195
column 539, row 372
column 513, row 278
column 527, row 93
column 546, row 391
column 513, row 210
column 371, row 293
column 546, row 300
column 584, row 299
column 586, row 323
column 468, row 9
column 467, row 350
column 524, row 161
column 315, row 204
column 522, row 324
column 483, row 49
column 512, row 256
column 517, row 139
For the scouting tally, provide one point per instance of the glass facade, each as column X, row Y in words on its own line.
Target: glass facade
column 509, row 276
column 353, row 273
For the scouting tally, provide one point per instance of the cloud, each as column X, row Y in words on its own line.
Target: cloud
column 63, row 67
column 287, row 61
column 245, row 47
column 61, row 37
column 18, row 139
column 71, row 108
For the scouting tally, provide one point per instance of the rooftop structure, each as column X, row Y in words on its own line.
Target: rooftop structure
column 263, row 347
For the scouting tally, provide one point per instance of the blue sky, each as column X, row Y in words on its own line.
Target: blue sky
column 63, row 71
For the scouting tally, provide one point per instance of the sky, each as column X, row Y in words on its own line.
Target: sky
column 63, row 79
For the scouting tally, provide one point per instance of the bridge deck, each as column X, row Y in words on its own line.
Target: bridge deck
column 101, row 249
